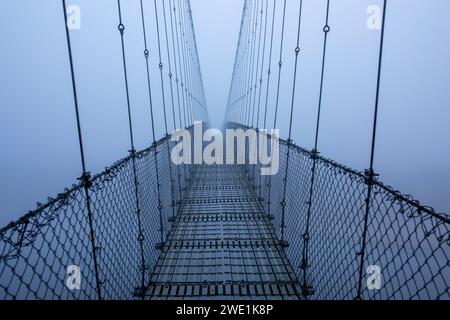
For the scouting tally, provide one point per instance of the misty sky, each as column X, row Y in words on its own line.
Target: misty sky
column 38, row 142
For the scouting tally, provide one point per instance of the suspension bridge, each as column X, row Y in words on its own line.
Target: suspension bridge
column 146, row 228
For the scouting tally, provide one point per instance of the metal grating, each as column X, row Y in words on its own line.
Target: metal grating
column 222, row 245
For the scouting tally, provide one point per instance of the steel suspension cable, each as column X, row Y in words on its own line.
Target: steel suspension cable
column 163, row 93
column 289, row 141
column 370, row 173
column 86, row 176
column 141, row 239
column 280, row 65
column 248, row 104
column 161, row 67
column 269, row 72
column 185, row 64
column 187, row 71
column 269, row 69
column 198, row 89
column 237, row 72
column 188, row 63
column 247, row 65
column 228, row 115
column 277, row 101
column 255, row 87
column 155, row 153
column 173, row 104
column 178, row 72
column 175, row 9
column 262, row 64
column 170, row 74
column 177, row 77
column 201, row 89
column 314, row 154
column 196, row 61
column 182, row 74
column 243, row 76
column 265, row 10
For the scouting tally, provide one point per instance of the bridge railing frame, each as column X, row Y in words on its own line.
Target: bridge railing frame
column 407, row 242
column 37, row 250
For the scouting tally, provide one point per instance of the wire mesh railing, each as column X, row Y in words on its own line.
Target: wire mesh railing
column 37, row 251
column 406, row 242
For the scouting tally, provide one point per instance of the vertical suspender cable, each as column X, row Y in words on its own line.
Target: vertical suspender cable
column 247, row 64
column 230, row 115
column 184, row 84
column 243, row 83
column 370, row 174
column 179, row 79
column 86, row 177
column 269, row 69
column 140, row 239
column 173, row 103
column 187, row 65
column 262, row 64
column 260, row 81
column 277, row 101
column 252, row 68
column 269, row 73
column 246, row 88
column 175, row 47
column 235, row 89
column 186, row 73
column 289, row 141
column 307, row 288
column 255, row 86
column 175, row 9
column 177, row 76
column 155, row 146
column 161, row 67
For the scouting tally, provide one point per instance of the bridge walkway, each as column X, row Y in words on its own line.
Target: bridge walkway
column 222, row 245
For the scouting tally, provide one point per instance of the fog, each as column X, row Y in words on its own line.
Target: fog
column 38, row 142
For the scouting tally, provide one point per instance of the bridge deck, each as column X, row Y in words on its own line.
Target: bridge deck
column 222, row 245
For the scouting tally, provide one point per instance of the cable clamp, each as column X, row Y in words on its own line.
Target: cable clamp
column 132, row 152
column 370, row 177
column 314, row 154
column 86, row 180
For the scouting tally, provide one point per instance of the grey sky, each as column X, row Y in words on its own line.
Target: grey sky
column 37, row 131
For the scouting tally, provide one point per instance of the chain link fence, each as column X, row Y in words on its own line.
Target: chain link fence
column 406, row 242
column 36, row 252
